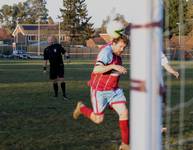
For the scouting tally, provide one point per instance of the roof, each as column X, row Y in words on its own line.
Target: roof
column 105, row 36
column 4, row 34
column 31, row 29
column 186, row 42
column 99, row 41
column 189, row 43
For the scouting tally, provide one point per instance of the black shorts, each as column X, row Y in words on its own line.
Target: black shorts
column 56, row 72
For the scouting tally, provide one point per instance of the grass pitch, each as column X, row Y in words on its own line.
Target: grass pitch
column 32, row 119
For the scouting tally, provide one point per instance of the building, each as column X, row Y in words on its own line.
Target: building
column 105, row 37
column 179, row 47
column 97, row 42
column 27, row 34
column 5, row 36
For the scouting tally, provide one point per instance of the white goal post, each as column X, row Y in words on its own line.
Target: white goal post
column 146, row 47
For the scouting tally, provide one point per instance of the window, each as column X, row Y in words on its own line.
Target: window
column 32, row 38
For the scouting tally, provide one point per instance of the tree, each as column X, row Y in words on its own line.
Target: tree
column 6, row 16
column 189, row 17
column 171, row 15
column 103, row 29
column 21, row 15
column 85, row 28
column 23, row 12
column 9, row 15
column 76, row 21
column 35, row 10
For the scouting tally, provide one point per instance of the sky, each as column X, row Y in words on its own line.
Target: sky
column 97, row 9
column 132, row 10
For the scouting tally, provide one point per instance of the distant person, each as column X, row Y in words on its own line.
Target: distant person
column 14, row 46
column 104, row 89
column 15, row 52
column 67, row 55
column 54, row 53
column 165, row 64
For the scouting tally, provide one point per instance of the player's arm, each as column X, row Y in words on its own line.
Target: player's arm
column 167, row 67
column 45, row 63
column 63, row 51
column 103, row 69
column 103, row 63
column 171, row 70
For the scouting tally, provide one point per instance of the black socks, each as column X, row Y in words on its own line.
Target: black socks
column 63, row 87
column 55, row 86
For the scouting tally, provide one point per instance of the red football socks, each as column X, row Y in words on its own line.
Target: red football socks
column 124, row 127
column 86, row 111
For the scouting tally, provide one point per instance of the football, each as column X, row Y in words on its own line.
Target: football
column 114, row 29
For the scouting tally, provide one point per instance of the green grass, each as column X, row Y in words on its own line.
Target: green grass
column 31, row 119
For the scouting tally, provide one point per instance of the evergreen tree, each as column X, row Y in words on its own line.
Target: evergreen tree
column 76, row 21
column 85, row 28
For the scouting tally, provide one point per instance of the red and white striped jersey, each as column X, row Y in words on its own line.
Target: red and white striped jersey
column 109, row 80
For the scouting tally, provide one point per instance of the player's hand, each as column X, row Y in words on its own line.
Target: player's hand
column 44, row 69
column 176, row 74
column 120, row 69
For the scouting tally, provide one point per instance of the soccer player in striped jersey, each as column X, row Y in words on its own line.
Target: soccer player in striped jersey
column 104, row 88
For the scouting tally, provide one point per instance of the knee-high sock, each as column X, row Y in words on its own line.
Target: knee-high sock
column 86, row 111
column 124, row 128
column 63, row 87
column 55, row 86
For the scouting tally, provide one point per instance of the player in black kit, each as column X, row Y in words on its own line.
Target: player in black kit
column 54, row 53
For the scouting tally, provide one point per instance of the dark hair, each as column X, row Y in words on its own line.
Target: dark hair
column 121, row 38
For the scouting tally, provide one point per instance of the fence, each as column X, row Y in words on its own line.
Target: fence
column 74, row 52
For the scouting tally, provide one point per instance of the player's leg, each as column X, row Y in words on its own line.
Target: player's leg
column 122, row 111
column 96, row 114
column 164, row 107
column 61, row 79
column 63, row 87
column 124, row 147
column 55, row 87
column 118, row 103
column 163, row 91
column 68, row 59
column 53, row 77
column 82, row 109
